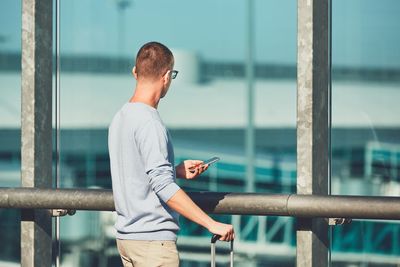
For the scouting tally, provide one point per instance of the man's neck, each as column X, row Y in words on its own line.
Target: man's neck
column 148, row 95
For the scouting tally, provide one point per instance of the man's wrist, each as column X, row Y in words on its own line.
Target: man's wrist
column 209, row 223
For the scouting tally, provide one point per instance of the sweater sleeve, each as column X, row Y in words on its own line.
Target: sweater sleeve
column 153, row 148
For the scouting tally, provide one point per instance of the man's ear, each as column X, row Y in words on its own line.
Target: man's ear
column 166, row 77
column 134, row 73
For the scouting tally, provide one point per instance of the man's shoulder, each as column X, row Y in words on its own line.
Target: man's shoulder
column 139, row 110
column 137, row 116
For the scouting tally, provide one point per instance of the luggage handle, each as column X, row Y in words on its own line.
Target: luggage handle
column 214, row 239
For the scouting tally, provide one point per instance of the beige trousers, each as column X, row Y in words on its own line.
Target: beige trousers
column 137, row 253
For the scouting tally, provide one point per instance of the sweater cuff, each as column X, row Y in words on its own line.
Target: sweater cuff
column 167, row 192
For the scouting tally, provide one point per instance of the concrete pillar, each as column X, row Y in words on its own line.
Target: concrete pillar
column 36, row 127
column 313, row 85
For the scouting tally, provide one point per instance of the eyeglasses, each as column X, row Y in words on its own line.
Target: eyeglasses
column 174, row 73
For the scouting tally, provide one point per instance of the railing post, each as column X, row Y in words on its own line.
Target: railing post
column 313, row 74
column 36, row 127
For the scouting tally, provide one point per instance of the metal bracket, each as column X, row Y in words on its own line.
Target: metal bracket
column 339, row 221
column 62, row 212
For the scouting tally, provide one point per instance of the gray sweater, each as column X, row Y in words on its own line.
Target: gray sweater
column 143, row 174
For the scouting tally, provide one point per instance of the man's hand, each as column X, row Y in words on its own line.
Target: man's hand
column 190, row 169
column 224, row 230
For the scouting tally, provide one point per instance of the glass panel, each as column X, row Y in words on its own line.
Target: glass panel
column 365, row 123
column 10, row 123
column 89, row 81
column 205, row 110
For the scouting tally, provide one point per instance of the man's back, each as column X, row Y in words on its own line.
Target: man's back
column 143, row 178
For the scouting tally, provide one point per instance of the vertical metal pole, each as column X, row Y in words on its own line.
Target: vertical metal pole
column 57, row 222
column 312, row 125
column 330, row 232
column 250, row 144
column 36, row 127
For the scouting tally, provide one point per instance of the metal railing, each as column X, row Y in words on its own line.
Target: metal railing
column 306, row 206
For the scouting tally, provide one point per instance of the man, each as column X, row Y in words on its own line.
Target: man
column 147, row 198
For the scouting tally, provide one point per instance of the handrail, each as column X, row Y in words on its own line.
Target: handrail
column 307, row 206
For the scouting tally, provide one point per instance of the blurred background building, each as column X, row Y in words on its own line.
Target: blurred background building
column 206, row 112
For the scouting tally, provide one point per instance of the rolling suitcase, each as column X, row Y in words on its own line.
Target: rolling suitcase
column 214, row 239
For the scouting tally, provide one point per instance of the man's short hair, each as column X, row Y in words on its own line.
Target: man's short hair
column 153, row 60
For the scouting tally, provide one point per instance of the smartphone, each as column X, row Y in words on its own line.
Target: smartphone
column 211, row 161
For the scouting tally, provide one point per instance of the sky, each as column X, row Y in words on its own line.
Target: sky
column 365, row 33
